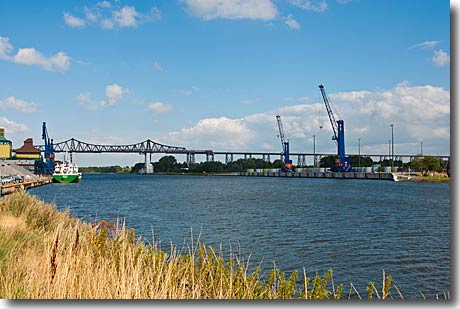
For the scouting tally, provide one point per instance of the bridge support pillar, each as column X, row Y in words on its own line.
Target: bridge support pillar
column 228, row 158
column 148, row 166
column 301, row 161
column 190, row 158
column 209, row 157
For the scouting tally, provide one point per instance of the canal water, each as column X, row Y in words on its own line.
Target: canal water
column 356, row 227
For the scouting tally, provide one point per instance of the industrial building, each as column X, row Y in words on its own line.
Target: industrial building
column 5, row 145
column 28, row 151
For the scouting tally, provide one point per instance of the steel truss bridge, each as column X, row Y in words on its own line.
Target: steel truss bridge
column 149, row 147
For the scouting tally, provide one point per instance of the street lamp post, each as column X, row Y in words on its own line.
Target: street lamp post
column 314, row 150
column 389, row 150
column 359, row 152
column 392, row 147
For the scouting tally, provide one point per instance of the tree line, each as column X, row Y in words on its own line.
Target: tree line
column 169, row 164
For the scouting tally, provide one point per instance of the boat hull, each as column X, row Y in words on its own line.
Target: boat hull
column 66, row 178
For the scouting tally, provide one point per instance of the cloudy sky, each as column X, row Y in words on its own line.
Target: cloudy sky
column 213, row 74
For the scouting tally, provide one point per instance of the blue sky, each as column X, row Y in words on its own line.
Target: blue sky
column 208, row 74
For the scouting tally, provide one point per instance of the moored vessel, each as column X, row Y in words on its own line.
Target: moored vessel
column 66, row 172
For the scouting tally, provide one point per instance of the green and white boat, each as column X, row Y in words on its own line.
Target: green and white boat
column 66, row 172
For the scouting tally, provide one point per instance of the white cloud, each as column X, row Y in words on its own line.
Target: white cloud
column 104, row 4
column 292, row 23
column 59, row 62
column 127, row 16
column 11, row 126
column 5, row 48
column 113, row 92
column 440, row 58
column 84, row 99
column 18, row 104
column 426, row 44
column 110, row 16
column 153, row 15
column 107, row 24
column 415, row 111
column 217, row 133
column 310, row 5
column 73, row 21
column 30, row 56
column 91, row 15
column 159, row 107
column 231, row 9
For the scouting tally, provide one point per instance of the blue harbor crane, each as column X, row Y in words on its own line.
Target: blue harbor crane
column 285, row 146
column 45, row 166
column 342, row 163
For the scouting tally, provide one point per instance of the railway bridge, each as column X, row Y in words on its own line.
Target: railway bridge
column 149, row 147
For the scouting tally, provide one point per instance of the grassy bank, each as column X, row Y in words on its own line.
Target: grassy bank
column 430, row 179
column 46, row 254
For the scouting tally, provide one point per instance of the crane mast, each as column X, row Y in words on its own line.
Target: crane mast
column 343, row 162
column 48, row 167
column 285, row 146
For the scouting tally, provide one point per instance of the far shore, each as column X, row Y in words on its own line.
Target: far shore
column 413, row 178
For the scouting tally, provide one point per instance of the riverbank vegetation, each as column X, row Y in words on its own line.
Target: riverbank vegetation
column 47, row 254
column 114, row 169
column 426, row 166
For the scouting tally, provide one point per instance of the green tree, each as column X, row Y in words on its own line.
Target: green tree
column 137, row 167
column 355, row 161
column 166, row 164
column 432, row 164
column 327, row 161
column 426, row 164
column 278, row 163
column 208, row 167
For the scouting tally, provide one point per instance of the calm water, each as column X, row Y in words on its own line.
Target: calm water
column 357, row 227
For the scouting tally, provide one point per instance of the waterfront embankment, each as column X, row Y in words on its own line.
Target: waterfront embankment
column 47, row 254
column 24, row 184
column 14, row 177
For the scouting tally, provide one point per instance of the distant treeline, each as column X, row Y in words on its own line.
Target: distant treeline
column 169, row 164
column 105, row 170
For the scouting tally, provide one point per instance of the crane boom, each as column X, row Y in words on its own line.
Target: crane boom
column 330, row 113
column 281, row 130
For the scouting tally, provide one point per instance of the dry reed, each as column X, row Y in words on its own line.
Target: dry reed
column 46, row 254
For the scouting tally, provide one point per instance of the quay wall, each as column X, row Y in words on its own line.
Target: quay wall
column 24, row 185
column 338, row 175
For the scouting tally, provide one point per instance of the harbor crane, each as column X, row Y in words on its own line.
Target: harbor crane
column 46, row 165
column 342, row 163
column 285, row 146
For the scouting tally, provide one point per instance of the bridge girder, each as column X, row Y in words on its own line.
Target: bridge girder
column 148, row 146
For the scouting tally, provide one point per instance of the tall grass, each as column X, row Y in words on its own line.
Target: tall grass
column 46, row 254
